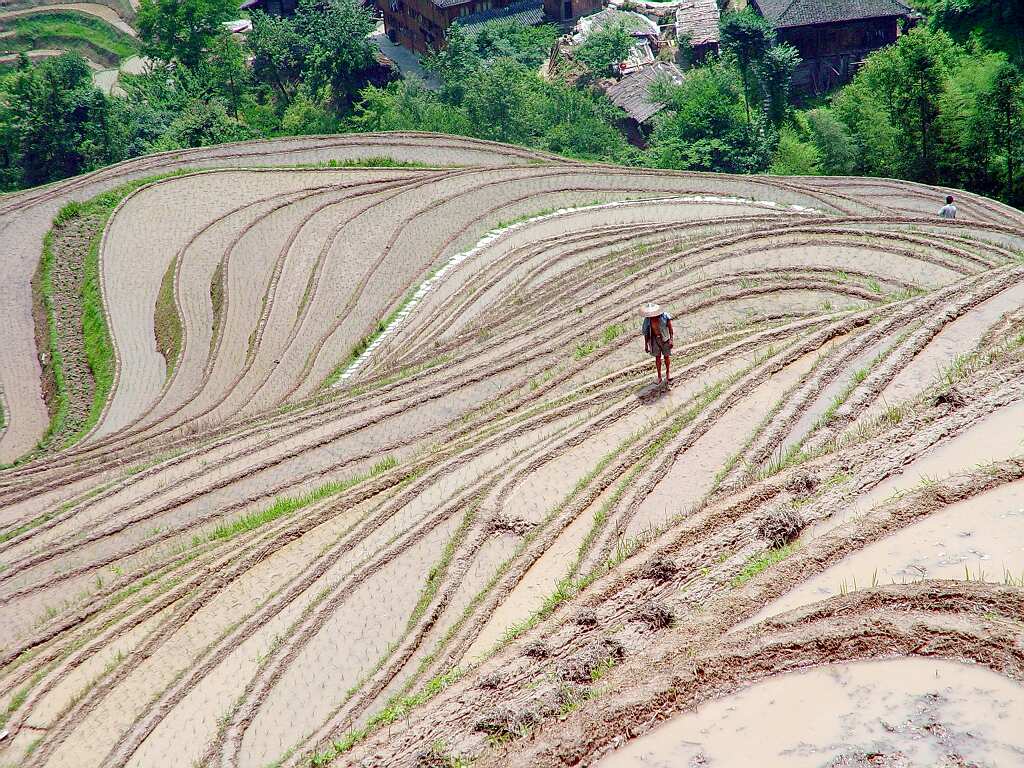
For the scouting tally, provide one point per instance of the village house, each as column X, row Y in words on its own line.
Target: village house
column 645, row 34
column 420, row 25
column 273, row 7
column 632, row 94
column 697, row 27
column 834, row 37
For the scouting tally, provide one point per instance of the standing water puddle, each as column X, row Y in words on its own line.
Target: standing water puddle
column 961, row 336
column 981, row 537
column 914, row 711
column 994, row 438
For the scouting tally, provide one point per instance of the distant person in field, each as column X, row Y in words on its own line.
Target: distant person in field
column 948, row 211
column 658, row 333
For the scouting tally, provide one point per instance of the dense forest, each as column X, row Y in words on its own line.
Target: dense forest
column 943, row 105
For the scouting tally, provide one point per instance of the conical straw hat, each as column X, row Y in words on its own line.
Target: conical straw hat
column 650, row 309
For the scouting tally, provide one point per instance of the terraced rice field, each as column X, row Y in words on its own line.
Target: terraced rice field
column 346, row 451
column 102, row 34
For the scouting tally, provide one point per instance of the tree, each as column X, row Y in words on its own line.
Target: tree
column 835, row 147
column 864, row 113
column 182, row 30
column 58, row 123
column 578, row 122
column 338, row 52
column 915, row 104
column 793, row 156
column 907, row 80
column 604, row 48
column 324, row 46
column 456, row 64
column 530, row 46
column 968, row 152
column 226, row 72
column 745, row 38
column 202, row 124
column 776, row 71
column 305, row 116
column 1005, row 100
column 999, row 24
column 278, row 51
column 407, row 105
column 500, row 105
column 703, row 125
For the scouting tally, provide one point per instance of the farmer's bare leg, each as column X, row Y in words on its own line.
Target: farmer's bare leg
column 668, row 368
column 657, row 363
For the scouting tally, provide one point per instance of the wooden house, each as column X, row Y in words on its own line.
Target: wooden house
column 834, row 37
column 697, row 26
column 632, row 94
column 420, row 25
column 273, row 7
column 569, row 10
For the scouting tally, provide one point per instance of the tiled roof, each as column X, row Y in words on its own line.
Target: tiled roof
column 631, row 20
column 529, row 13
column 632, row 92
column 698, row 21
column 800, row 13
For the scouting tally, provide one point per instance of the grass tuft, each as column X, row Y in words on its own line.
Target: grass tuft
column 760, row 563
column 287, row 505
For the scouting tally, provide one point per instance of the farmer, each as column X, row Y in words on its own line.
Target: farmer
column 948, row 211
column 658, row 333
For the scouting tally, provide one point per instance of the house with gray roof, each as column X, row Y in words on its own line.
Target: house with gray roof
column 632, row 94
column 420, row 25
column 528, row 13
column 697, row 25
column 834, row 36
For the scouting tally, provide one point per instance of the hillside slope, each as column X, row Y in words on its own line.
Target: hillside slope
column 358, row 458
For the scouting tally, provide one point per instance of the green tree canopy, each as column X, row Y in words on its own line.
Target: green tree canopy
column 337, row 51
column 202, row 124
column 498, row 97
column 324, row 46
column 745, row 38
column 604, row 48
column 776, row 70
column 1004, row 115
column 893, row 104
column 56, row 123
column 795, row 157
column 836, row 152
column 182, row 30
column 703, row 126
column 999, row 24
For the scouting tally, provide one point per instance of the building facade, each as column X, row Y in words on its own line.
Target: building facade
column 834, row 38
column 568, row 10
column 273, row 7
column 420, row 25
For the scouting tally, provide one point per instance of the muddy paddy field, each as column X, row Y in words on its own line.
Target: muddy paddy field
column 345, row 451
